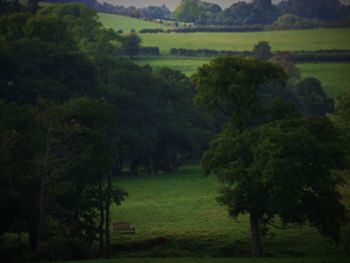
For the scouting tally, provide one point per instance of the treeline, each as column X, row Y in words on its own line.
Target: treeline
column 150, row 12
column 194, row 29
column 291, row 14
column 73, row 116
column 285, row 22
column 300, row 56
column 263, row 12
column 207, row 52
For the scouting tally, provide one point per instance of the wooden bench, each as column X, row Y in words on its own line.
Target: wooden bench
column 123, row 227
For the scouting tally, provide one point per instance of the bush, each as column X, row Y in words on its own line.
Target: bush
column 300, row 56
column 206, row 52
column 254, row 28
column 290, row 21
column 151, row 30
column 149, row 51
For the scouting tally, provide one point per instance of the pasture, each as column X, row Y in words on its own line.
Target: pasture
column 186, row 65
column 176, row 215
column 315, row 39
column 335, row 77
column 125, row 23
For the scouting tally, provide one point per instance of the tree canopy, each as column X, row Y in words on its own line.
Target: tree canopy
column 273, row 168
column 75, row 115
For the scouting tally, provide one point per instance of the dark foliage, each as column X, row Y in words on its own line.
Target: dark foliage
column 151, row 12
column 73, row 115
column 324, row 10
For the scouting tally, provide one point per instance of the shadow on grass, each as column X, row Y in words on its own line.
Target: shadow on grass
column 174, row 247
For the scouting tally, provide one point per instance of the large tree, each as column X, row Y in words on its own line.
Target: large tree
column 270, row 167
column 281, row 171
column 230, row 85
column 131, row 44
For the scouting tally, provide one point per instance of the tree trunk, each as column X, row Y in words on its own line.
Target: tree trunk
column 107, row 219
column 102, row 214
column 134, row 166
column 255, row 235
column 42, row 196
column 33, row 235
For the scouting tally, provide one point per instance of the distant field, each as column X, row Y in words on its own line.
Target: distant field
column 125, row 23
column 176, row 215
column 335, row 77
column 279, row 40
column 183, row 64
column 315, row 39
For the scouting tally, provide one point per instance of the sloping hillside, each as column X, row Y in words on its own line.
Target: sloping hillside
column 126, row 24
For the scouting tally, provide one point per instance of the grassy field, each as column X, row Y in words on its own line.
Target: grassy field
column 335, row 77
column 223, row 260
column 125, row 23
column 176, row 215
column 279, row 40
column 186, row 65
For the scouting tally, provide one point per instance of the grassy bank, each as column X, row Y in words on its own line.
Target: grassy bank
column 125, row 23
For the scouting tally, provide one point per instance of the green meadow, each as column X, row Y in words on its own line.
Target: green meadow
column 125, row 23
column 335, row 77
column 187, row 65
column 176, row 215
column 315, row 39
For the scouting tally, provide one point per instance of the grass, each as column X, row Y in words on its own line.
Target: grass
column 186, row 65
column 125, row 23
column 314, row 39
column 176, row 215
column 279, row 40
column 222, row 260
column 335, row 77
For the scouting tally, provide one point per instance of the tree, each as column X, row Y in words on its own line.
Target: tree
column 290, row 21
column 20, row 148
column 196, row 11
column 131, row 44
column 281, row 170
column 342, row 121
column 78, row 164
column 312, row 99
column 253, row 13
column 271, row 168
column 262, row 50
column 229, row 85
column 288, row 62
column 325, row 10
